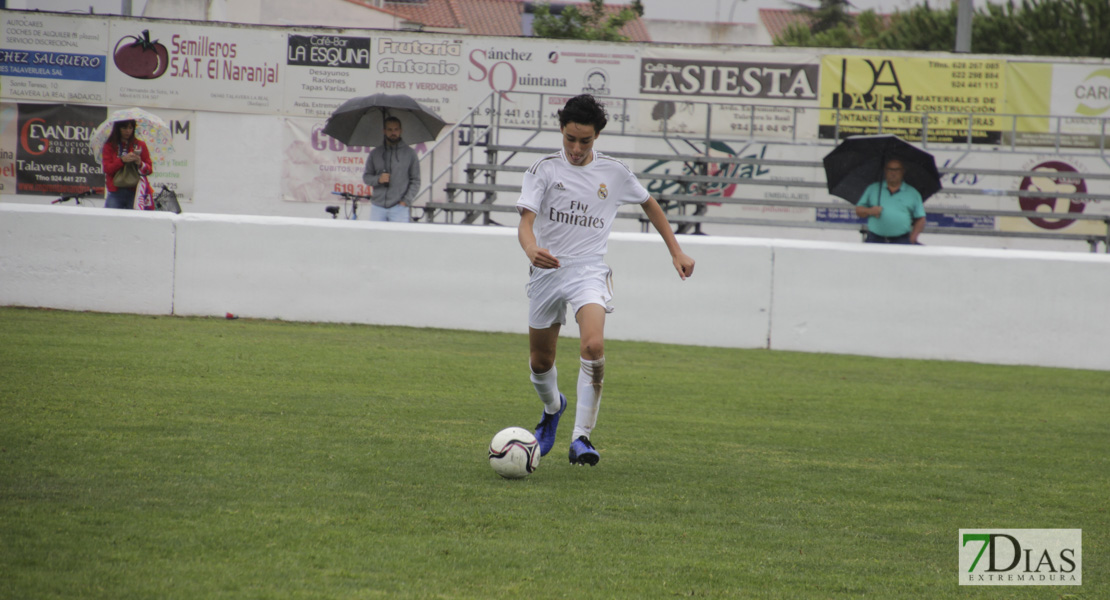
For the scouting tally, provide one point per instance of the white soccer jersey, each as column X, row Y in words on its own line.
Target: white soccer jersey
column 575, row 206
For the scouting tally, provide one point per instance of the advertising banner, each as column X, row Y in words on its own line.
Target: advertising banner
column 1077, row 97
column 950, row 99
column 316, row 164
column 44, row 150
column 47, row 58
column 781, row 190
column 533, row 79
column 173, row 65
column 324, row 71
column 177, row 170
column 52, row 154
column 427, row 68
column 737, row 93
column 9, row 140
column 1055, row 175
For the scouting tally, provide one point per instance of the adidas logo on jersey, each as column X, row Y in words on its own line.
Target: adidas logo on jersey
column 559, row 185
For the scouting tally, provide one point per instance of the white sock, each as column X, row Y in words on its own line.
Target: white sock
column 590, row 379
column 547, row 386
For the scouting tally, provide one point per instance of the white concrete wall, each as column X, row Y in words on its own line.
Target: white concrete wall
column 86, row 259
column 993, row 306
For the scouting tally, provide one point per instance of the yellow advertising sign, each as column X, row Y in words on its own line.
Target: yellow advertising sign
column 940, row 99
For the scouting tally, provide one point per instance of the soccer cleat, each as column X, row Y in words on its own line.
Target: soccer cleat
column 545, row 430
column 582, row 452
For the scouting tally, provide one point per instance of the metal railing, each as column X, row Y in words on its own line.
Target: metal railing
column 462, row 139
column 535, row 113
column 1066, row 135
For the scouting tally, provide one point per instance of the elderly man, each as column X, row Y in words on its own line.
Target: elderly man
column 894, row 210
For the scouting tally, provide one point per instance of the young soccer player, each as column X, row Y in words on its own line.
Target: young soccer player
column 567, row 206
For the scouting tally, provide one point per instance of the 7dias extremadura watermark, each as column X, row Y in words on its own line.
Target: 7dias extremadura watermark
column 1021, row 557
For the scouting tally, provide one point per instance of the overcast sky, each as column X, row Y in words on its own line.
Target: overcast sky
column 741, row 11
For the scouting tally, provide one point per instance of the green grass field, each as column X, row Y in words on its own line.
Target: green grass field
column 165, row 457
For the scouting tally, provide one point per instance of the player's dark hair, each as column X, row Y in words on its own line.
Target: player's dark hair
column 392, row 120
column 584, row 110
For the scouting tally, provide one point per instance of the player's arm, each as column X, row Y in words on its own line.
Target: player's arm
column 537, row 257
column 682, row 263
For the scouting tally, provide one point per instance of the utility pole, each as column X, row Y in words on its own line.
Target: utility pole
column 964, row 13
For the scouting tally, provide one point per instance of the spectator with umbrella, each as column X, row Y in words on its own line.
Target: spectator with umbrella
column 127, row 144
column 392, row 194
column 902, row 218
column 888, row 180
column 393, row 169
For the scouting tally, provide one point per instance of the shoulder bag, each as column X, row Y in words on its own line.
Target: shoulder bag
column 128, row 176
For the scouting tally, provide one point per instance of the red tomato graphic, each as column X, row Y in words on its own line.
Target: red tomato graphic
column 141, row 58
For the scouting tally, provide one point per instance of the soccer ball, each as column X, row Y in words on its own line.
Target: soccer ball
column 514, row 453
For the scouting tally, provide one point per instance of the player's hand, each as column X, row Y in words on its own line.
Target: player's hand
column 383, row 178
column 541, row 258
column 684, row 265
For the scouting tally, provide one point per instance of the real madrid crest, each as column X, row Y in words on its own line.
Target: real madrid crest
column 602, row 192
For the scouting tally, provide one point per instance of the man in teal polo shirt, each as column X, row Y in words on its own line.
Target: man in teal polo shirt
column 894, row 211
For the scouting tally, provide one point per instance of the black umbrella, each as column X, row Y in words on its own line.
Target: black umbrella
column 858, row 162
column 361, row 121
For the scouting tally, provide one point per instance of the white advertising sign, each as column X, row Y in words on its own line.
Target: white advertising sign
column 534, row 79
column 427, row 68
column 734, row 94
column 177, row 169
column 324, row 71
column 172, row 65
column 48, row 58
column 1081, row 93
column 315, row 164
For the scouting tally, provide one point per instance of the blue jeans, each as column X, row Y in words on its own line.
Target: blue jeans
column 121, row 198
column 398, row 213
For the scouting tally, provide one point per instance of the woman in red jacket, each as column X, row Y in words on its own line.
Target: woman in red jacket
column 122, row 148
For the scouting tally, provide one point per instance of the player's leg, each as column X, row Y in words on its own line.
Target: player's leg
column 541, row 361
column 545, row 379
column 591, row 372
column 546, row 314
column 591, row 376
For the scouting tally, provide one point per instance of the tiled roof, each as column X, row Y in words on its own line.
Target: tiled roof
column 431, row 13
column 490, row 17
column 373, row 5
column 493, row 17
column 776, row 20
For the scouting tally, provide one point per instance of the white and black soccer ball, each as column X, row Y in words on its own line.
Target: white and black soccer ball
column 514, row 453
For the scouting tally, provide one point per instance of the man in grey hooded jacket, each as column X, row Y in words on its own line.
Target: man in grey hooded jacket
column 393, row 170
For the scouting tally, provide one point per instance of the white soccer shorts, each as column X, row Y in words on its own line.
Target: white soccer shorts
column 577, row 282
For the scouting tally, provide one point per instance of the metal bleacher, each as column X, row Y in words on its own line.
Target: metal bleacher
column 480, row 171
